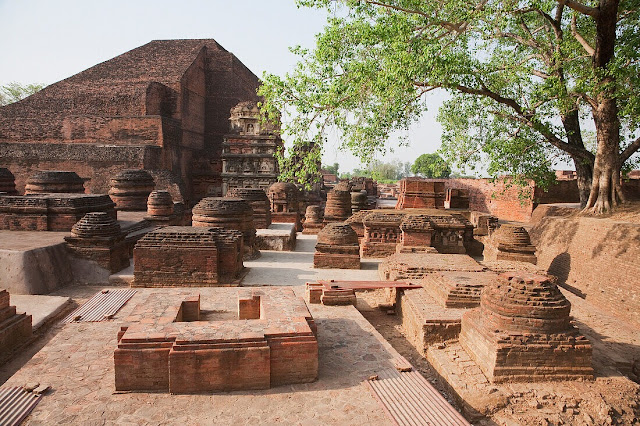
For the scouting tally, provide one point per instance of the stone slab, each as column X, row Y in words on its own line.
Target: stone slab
column 41, row 308
column 278, row 237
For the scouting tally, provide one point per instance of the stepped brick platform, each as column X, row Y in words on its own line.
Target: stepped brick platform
column 130, row 189
column 338, row 207
column 344, row 292
column 510, row 242
column 416, row 193
column 435, row 231
column 15, row 328
column 425, row 321
column 416, row 266
column 337, row 247
column 185, row 256
column 258, row 201
column 166, row 345
column 228, row 213
column 312, row 220
column 50, row 212
column 456, row 199
column 7, row 182
column 522, row 331
column 381, row 233
column 457, row 289
column 285, row 203
column 98, row 237
column 54, row 181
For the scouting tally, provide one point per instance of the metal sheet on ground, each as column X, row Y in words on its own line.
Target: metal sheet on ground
column 101, row 306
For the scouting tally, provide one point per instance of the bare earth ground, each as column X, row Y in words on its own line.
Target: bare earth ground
column 76, row 360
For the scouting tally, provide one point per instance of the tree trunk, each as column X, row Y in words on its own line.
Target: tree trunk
column 584, row 165
column 605, row 190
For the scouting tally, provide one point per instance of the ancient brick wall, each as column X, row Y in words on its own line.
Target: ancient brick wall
column 595, row 258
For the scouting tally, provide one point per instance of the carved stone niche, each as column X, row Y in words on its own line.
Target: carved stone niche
column 246, row 120
column 7, row 182
column 285, row 203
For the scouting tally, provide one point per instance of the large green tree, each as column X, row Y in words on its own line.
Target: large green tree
column 13, row 92
column 524, row 77
column 431, row 166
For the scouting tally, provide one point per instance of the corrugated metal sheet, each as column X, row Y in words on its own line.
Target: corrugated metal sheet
column 101, row 306
column 409, row 399
column 16, row 404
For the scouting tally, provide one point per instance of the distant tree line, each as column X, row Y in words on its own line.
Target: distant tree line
column 13, row 92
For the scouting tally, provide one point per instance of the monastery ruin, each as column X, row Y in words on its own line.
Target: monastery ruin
column 155, row 270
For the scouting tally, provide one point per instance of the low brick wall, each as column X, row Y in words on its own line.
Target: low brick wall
column 595, row 258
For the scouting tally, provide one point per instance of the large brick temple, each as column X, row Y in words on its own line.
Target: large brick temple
column 163, row 107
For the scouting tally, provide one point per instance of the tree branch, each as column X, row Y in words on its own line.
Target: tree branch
column 582, row 8
column 574, row 30
column 630, row 150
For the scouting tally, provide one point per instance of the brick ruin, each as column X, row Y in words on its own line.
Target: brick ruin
column 359, row 201
column 417, row 193
column 456, row 199
column 248, row 150
column 161, row 209
column 318, row 293
column 228, row 213
column 522, row 331
column 185, row 256
column 355, row 221
column 130, row 189
column 163, row 106
column 258, row 201
column 414, row 267
column 361, row 183
column 285, row 203
column 337, row 247
column 15, row 328
column 7, row 182
column 381, row 233
column 510, row 242
column 98, row 237
column 457, row 289
column 54, row 181
column 313, row 222
column 338, row 207
column 50, row 212
column 441, row 232
column 165, row 345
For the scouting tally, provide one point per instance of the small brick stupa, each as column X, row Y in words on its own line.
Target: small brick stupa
column 7, row 182
column 98, row 237
column 522, row 332
column 160, row 208
column 359, row 201
column 510, row 242
column 312, row 220
column 228, row 213
column 258, row 201
column 337, row 247
column 338, row 207
column 130, row 190
column 54, row 181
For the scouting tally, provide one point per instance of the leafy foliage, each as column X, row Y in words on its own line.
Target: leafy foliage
column 13, row 92
column 523, row 76
column 431, row 166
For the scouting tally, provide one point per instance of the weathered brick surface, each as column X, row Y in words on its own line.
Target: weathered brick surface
column 416, row 266
column 337, row 247
column 164, row 105
column 15, row 328
column 48, row 181
column 457, row 289
column 184, row 256
column 522, row 331
column 50, row 212
column 595, row 258
column 312, row 220
column 285, row 203
column 98, row 237
column 512, row 243
column 160, row 348
column 130, row 189
column 259, row 202
column 417, row 193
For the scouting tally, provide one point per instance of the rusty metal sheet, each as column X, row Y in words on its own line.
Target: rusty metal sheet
column 16, row 404
column 409, row 399
column 101, row 306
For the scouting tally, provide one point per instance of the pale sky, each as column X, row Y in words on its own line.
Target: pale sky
column 44, row 41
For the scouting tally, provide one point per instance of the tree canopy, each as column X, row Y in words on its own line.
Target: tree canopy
column 524, row 76
column 13, row 92
column 431, row 166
